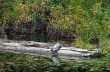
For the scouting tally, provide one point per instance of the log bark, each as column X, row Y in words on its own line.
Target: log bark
column 44, row 49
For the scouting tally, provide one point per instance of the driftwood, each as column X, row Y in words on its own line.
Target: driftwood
column 44, row 49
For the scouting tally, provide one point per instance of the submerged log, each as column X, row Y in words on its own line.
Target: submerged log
column 44, row 49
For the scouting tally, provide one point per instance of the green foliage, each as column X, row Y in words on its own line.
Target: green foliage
column 10, row 62
column 83, row 18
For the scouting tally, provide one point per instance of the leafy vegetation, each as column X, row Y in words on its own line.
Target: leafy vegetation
column 10, row 62
column 83, row 18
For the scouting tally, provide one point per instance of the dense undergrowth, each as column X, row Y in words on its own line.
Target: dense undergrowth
column 86, row 19
column 10, row 62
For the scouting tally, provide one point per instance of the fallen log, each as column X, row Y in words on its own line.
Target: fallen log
column 43, row 49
